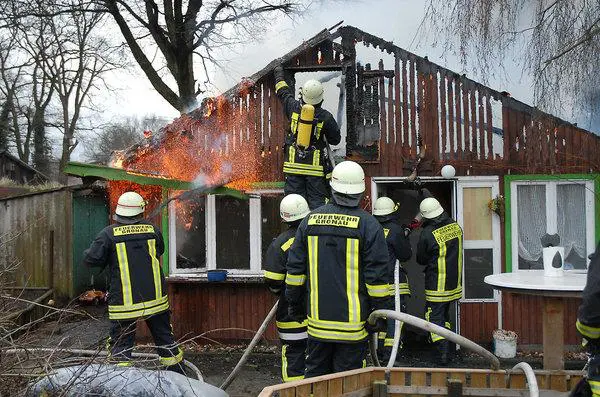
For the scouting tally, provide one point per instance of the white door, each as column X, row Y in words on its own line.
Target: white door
column 481, row 240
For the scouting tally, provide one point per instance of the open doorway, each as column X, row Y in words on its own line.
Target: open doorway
column 409, row 199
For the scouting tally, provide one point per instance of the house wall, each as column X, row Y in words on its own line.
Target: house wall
column 420, row 107
column 199, row 307
column 15, row 171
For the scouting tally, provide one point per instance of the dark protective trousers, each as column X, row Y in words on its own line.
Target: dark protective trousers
column 293, row 356
column 593, row 375
column 385, row 340
column 315, row 189
column 122, row 339
column 329, row 357
column 438, row 313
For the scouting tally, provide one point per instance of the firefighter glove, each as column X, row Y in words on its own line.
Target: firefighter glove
column 279, row 73
column 379, row 326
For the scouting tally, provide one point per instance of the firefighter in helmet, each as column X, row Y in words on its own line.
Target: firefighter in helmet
column 292, row 333
column 338, row 266
column 131, row 249
column 386, row 212
column 588, row 325
column 440, row 251
column 306, row 163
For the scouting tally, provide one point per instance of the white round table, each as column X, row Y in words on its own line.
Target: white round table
column 553, row 290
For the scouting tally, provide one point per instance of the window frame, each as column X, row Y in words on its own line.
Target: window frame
column 550, row 182
column 254, row 250
column 494, row 244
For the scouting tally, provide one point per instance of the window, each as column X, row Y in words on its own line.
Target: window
column 481, row 238
column 558, row 207
column 222, row 232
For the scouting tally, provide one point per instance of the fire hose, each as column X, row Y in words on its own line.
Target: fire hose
column 82, row 352
column 429, row 327
column 248, row 350
column 397, row 324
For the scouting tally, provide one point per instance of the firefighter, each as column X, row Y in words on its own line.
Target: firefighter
column 588, row 323
column 386, row 212
column 440, row 251
column 338, row 270
column 131, row 249
column 306, row 163
column 293, row 209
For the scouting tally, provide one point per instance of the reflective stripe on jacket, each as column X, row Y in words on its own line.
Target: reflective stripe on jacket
column 311, row 161
column 137, row 285
column 275, row 271
column 339, row 258
column 588, row 316
column 440, row 251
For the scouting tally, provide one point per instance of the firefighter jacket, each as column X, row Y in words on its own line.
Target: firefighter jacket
column 339, row 257
column 440, row 251
column 311, row 161
column 588, row 316
column 398, row 249
column 275, row 271
column 137, row 285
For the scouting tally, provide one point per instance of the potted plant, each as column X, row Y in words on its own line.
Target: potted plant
column 496, row 205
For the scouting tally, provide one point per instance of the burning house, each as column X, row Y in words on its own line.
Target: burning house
column 519, row 174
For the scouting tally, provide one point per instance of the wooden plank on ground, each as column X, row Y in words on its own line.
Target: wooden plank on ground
column 558, row 382
column 304, row 390
column 479, row 380
column 439, row 378
column 350, row 383
column 418, row 379
column 497, row 380
column 335, row 387
column 291, row 392
column 321, row 388
column 517, row 381
column 364, row 379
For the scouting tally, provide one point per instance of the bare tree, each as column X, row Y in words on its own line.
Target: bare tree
column 556, row 41
column 120, row 135
column 76, row 60
column 169, row 39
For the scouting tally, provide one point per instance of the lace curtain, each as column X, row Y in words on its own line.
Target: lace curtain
column 571, row 219
column 570, row 216
column 531, row 201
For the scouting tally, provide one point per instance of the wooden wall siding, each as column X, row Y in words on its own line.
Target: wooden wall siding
column 36, row 240
column 478, row 321
column 523, row 314
column 201, row 307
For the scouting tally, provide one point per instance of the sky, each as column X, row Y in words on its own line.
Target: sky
column 394, row 20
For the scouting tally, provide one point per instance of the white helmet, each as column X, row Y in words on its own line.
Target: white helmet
column 348, row 178
column 130, row 204
column 293, row 207
column 430, row 208
column 384, row 206
column 312, row 92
